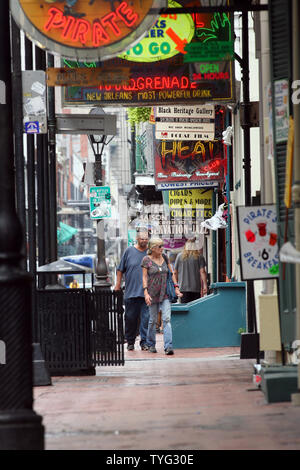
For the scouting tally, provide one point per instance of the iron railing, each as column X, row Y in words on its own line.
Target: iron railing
column 80, row 329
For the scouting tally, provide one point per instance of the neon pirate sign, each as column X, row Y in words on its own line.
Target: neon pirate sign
column 85, row 29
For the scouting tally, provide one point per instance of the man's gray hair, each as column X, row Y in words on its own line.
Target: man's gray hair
column 141, row 230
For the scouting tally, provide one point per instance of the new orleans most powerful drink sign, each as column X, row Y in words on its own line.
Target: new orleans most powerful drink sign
column 158, row 73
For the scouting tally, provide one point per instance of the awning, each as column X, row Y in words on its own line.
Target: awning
column 63, row 267
column 65, row 233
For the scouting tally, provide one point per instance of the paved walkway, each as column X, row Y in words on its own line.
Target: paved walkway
column 198, row 399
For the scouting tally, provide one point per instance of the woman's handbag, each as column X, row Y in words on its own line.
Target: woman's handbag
column 170, row 291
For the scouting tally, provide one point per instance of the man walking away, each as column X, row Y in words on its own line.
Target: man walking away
column 136, row 310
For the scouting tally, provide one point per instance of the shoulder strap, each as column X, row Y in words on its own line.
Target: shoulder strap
column 167, row 262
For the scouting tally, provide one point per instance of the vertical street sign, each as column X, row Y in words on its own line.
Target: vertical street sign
column 34, row 102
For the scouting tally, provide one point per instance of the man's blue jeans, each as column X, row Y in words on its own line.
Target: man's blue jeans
column 136, row 309
column 165, row 308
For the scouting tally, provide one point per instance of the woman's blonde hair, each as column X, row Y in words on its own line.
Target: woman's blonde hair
column 154, row 242
column 191, row 248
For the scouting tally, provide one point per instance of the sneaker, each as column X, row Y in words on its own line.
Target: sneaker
column 130, row 347
column 169, row 352
column 144, row 347
column 152, row 349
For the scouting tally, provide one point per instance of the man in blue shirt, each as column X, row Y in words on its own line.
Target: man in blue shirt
column 135, row 306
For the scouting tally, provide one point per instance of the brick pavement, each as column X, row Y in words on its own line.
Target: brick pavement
column 199, row 399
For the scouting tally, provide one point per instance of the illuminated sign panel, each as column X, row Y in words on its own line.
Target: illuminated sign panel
column 167, row 82
column 85, row 29
column 188, row 161
column 168, row 37
column 158, row 73
column 212, row 41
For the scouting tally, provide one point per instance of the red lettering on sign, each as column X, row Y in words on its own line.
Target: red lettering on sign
column 173, row 150
column 109, row 20
column 68, row 26
column 81, row 30
column 99, row 34
column 152, row 83
column 126, row 14
column 56, row 19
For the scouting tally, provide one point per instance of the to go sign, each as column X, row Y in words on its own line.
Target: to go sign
column 168, row 37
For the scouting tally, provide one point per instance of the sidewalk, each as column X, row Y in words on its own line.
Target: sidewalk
column 198, row 399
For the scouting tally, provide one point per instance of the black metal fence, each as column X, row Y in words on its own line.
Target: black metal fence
column 80, row 329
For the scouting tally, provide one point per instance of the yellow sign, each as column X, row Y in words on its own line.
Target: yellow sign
column 194, row 203
column 95, row 76
column 289, row 164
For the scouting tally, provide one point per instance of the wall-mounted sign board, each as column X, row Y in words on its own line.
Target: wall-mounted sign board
column 85, row 29
column 257, row 228
column 34, row 102
column 86, row 124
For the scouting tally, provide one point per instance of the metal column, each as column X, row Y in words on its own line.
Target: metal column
column 20, row 427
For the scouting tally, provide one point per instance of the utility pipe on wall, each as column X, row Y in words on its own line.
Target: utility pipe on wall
column 296, row 185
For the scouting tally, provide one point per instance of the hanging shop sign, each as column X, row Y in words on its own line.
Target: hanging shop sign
column 85, row 29
column 100, row 202
column 190, row 203
column 213, row 41
column 171, row 80
column 167, row 37
column 257, row 228
column 188, row 162
column 185, row 122
column 34, row 102
column 194, row 163
column 203, row 52
column 94, row 76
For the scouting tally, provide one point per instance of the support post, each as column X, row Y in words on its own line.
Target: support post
column 18, row 131
column 296, row 186
column 20, row 427
column 251, row 313
column 101, row 267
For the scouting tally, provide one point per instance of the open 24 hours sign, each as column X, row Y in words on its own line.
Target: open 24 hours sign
column 257, row 227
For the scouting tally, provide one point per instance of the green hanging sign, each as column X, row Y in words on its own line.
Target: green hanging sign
column 100, row 202
column 210, row 51
column 212, row 43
